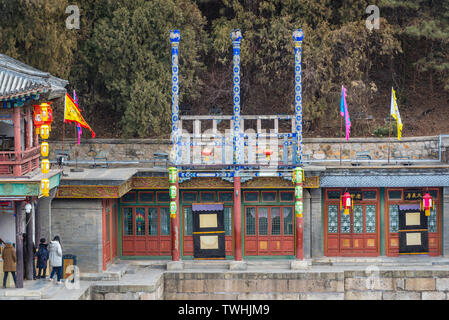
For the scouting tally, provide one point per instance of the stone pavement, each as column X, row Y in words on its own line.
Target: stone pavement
column 417, row 277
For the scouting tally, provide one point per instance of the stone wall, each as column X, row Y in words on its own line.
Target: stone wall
column 344, row 285
column 78, row 223
column 315, row 148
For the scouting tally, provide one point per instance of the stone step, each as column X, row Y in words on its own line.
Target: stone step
column 52, row 291
column 206, row 264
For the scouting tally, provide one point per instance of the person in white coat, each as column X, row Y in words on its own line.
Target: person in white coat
column 55, row 257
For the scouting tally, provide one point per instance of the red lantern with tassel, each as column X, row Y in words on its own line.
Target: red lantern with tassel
column 347, row 202
column 427, row 203
column 206, row 153
column 268, row 153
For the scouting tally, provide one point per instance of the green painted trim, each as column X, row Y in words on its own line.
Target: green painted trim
column 382, row 214
column 23, row 188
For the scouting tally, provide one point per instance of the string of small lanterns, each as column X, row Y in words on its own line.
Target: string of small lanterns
column 42, row 118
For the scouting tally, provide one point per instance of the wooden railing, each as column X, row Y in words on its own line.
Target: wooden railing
column 17, row 164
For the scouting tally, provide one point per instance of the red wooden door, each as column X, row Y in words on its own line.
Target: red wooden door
column 269, row 230
column 146, row 231
column 107, row 228
column 354, row 234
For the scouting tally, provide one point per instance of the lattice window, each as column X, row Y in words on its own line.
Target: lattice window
column 188, row 225
column 228, row 221
column 345, row 222
column 140, row 221
column 165, row 221
column 128, row 221
column 263, row 221
column 332, row 219
column 275, row 221
column 358, row 219
column 152, row 221
column 370, row 218
column 288, row 220
column 268, row 196
column 432, row 221
column 250, row 221
column 393, row 214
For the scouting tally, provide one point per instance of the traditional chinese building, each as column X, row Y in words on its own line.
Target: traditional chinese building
column 21, row 87
column 239, row 187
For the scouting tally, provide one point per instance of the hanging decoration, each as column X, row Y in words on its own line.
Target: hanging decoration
column 42, row 119
column 346, row 202
column 268, row 153
column 427, row 203
column 206, row 152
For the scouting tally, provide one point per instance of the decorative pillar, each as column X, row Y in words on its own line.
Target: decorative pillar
column 173, row 178
column 19, row 244
column 237, row 220
column 297, row 38
column 175, row 36
column 29, row 129
column 17, row 169
column 298, row 177
column 236, row 37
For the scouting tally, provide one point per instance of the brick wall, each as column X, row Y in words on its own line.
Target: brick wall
column 344, row 285
column 316, row 148
column 78, row 223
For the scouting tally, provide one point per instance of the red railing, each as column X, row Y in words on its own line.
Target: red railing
column 26, row 161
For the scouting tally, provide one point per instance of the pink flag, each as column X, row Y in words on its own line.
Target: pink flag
column 344, row 112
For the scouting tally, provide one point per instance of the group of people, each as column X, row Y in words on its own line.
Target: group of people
column 46, row 252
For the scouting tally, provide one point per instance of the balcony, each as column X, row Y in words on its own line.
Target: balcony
column 19, row 163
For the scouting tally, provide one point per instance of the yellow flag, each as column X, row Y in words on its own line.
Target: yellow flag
column 73, row 114
column 394, row 112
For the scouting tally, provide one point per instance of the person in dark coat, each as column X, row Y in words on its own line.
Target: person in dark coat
column 42, row 255
column 9, row 262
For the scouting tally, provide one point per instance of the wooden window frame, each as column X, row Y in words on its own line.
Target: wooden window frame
column 142, row 192
column 135, row 201
column 207, row 192
column 273, row 201
column 285, row 191
column 221, row 192
column 157, row 200
column 248, row 201
column 189, row 201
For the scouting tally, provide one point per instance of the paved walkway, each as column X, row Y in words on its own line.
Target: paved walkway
column 132, row 276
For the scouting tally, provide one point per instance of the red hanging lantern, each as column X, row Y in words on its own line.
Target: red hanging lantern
column 347, row 202
column 427, row 203
column 206, row 153
column 268, row 153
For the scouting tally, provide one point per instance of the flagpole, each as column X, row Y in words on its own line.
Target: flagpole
column 389, row 136
column 341, row 132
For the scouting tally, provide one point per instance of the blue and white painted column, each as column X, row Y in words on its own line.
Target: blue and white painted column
column 175, row 36
column 297, row 38
column 236, row 37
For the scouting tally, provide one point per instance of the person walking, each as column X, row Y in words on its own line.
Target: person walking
column 9, row 262
column 55, row 255
column 42, row 255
